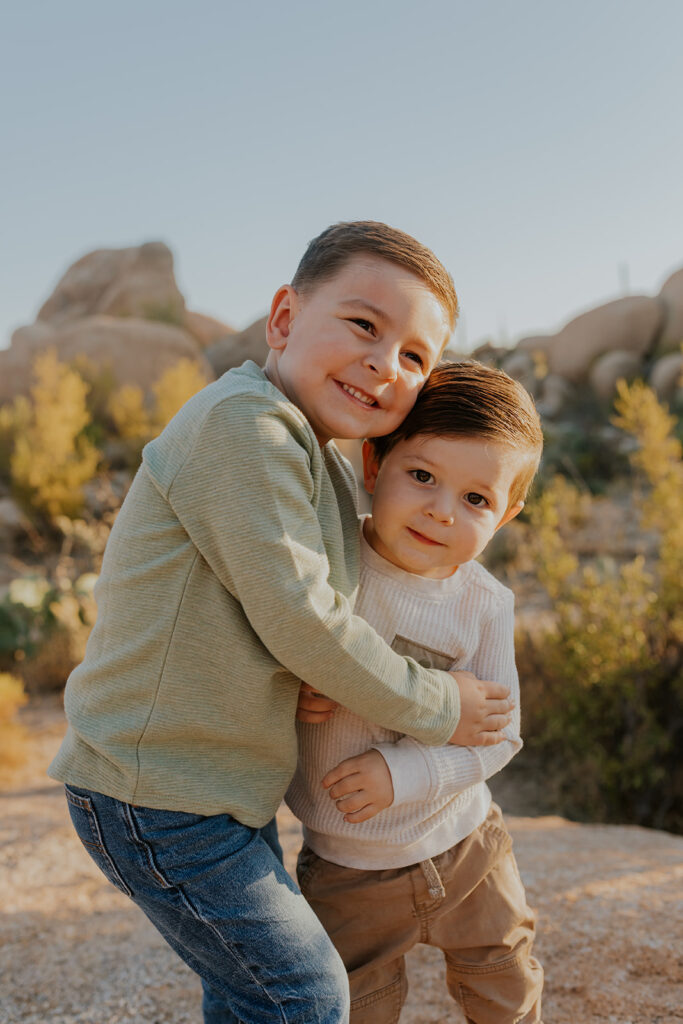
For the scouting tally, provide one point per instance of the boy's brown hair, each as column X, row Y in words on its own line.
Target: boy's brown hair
column 327, row 254
column 469, row 399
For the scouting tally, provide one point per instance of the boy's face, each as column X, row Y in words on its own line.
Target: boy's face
column 437, row 501
column 354, row 352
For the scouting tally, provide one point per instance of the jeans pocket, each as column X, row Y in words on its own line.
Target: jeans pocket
column 84, row 818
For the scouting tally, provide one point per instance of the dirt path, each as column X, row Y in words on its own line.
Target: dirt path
column 72, row 949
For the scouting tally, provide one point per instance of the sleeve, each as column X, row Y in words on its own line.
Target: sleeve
column 431, row 773
column 246, row 498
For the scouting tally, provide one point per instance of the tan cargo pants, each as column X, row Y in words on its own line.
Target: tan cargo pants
column 469, row 902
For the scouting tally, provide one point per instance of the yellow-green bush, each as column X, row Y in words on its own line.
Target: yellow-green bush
column 132, row 420
column 52, row 458
column 179, row 383
column 603, row 689
column 12, row 734
column 136, row 421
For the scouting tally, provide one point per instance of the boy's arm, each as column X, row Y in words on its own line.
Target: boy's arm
column 419, row 772
column 245, row 498
column 413, row 771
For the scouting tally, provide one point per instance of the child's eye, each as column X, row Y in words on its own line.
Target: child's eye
column 416, row 358
column 365, row 325
column 475, row 499
column 421, row 475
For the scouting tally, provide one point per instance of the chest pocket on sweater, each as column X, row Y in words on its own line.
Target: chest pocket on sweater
column 428, row 657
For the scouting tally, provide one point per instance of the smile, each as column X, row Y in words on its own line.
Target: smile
column 360, row 396
column 425, row 540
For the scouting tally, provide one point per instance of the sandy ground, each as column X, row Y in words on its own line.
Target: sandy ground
column 72, row 949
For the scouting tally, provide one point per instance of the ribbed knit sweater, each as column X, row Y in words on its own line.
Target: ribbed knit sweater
column 440, row 796
column 230, row 575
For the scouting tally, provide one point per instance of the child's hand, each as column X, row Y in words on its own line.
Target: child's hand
column 361, row 786
column 314, row 706
column 484, row 711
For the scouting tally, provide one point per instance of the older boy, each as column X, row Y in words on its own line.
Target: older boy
column 230, row 574
column 410, row 848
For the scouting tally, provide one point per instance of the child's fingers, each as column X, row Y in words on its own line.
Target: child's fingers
column 313, row 716
column 494, row 723
column 349, row 783
column 489, row 739
column 499, row 707
column 341, row 771
column 352, row 803
column 494, row 691
column 316, row 702
column 367, row 812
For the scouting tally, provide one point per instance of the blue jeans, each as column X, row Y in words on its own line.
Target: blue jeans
column 220, row 896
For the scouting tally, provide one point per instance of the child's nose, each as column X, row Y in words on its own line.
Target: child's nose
column 441, row 510
column 383, row 359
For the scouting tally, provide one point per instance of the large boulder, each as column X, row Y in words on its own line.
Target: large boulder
column 671, row 296
column 137, row 281
column 610, row 368
column 206, row 330
column 666, row 376
column 631, row 324
column 233, row 350
column 136, row 351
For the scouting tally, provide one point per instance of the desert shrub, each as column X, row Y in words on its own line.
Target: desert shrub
column 175, row 386
column 52, row 458
column 603, row 688
column 14, row 419
column 584, row 449
column 136, row 421
column 101, row 384
column 131, row 419
column 44, row 628
column 12, row 734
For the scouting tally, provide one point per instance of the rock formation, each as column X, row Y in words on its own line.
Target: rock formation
column 122, row 309
column 233, row 350
column 635, row 336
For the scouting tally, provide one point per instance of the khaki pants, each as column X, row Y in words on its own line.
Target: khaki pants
column 469, row 902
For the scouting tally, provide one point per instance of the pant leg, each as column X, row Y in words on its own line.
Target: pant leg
column 369, row 915
column 221, row 898
column 214, row 1006
column 486, row 929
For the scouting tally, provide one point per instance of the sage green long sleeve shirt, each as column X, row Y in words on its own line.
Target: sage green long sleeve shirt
column 229, row 576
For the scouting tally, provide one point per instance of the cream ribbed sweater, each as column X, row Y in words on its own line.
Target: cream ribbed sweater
column 440, row 796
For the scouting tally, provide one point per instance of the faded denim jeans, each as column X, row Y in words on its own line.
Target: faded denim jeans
column 218, row 893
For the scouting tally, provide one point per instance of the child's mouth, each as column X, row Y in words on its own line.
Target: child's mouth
column 425, row 540
column 367, row 401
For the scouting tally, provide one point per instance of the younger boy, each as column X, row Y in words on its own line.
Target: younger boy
column 231, row 574
column 410, row 848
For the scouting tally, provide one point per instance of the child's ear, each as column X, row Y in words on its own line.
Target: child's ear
column 513, row 511
column 282, row 312
column 370, row 467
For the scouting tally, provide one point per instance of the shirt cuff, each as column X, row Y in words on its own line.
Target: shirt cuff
column 410, row 771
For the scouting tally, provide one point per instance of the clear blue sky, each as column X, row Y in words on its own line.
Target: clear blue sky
column 535, row 146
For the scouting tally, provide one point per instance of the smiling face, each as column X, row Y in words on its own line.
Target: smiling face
column 353, row 352
column 437, row 501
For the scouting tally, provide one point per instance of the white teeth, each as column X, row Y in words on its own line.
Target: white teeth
column 359, row 395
